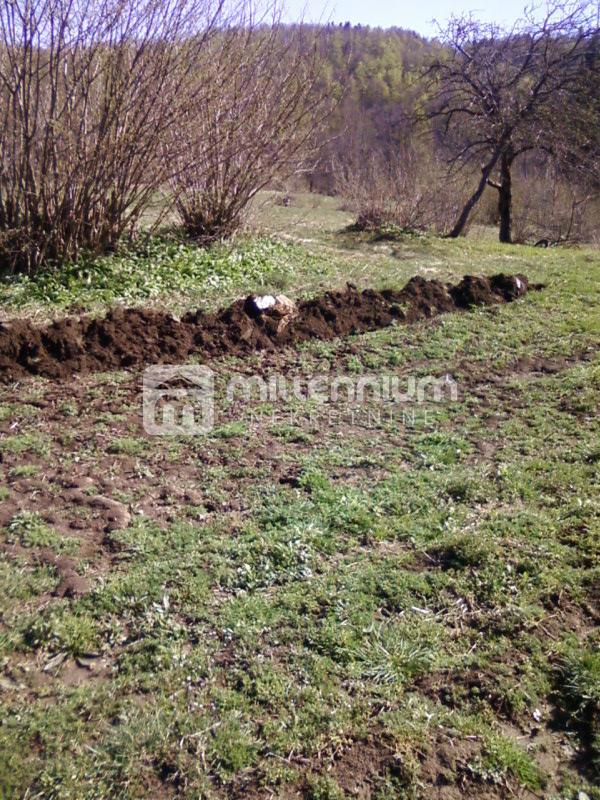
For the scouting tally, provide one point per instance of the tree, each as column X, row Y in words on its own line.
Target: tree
column 88, row 88
column 493, row 90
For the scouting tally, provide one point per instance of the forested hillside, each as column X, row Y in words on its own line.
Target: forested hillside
column 386, row 147
column 374, row 75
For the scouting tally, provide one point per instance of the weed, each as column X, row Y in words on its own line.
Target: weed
column 29, row 529
column 127, row 445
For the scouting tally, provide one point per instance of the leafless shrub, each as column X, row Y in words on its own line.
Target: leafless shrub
column 262, row 121
column 556, row 210
column 408, row 191
column 87, row 90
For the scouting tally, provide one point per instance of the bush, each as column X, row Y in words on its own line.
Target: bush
column 97, row 92
column 546, row 206
column 261, row 122
column 404, row 191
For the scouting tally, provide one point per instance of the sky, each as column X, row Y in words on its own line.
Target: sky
column 416, row 15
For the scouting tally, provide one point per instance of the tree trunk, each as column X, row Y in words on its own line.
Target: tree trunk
column 474, row 199
column 505, row 197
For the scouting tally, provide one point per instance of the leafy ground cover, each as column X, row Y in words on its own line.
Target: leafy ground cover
column 372, row 601
column 153, row 271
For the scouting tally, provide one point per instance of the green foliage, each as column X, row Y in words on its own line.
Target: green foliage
column 29, row 530
column 578, row 681
column 394, row 655
column 323, row 787
column 271, row 559
column 159, row 266
column 33, row 442
column 24, row 471
column 127, row 445
column 58, row 630
column 504, row 758
column 20, row 583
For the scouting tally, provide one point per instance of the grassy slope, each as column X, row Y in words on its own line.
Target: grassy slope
column 304, row 608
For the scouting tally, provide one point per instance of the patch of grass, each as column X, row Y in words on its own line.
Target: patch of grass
column 69, row 408
column 157, row 267
column 35, row 443
column 29, row 530
column 461, row 551
column 395, row 655
column 291, row 433
column 504, row 758
column 323, row 787
column 24, row 471
column 231, row 430
column 578, row 684
column 58, row 630
column 14, row 411
column 21, row 583
column 128, row 446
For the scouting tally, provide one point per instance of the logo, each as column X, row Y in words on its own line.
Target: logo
column 178, row 400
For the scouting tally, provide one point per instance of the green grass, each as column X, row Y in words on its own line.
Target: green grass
column 127, row 445
column 319, row 609
column 33, row 442
column 159, row 268
column 29, row 530
column 300, row 250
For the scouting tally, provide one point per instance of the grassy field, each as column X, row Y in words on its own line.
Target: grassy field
column 311, row 602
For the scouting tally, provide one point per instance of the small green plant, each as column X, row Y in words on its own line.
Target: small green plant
column 127, row 445
column 323, row 787
column 29, row 529
column 504, row 758
column 391, row 655
column 24, row 471
column 68, row 408
column 59, row 630
column 231, row 747
column 35, row 443
column 231, row 430
column 461, row 551
column 578, row 680
column 291, row 433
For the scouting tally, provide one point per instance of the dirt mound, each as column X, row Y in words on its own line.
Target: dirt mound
column 133, row 337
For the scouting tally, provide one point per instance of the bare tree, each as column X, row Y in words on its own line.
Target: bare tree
column 262, row 120
column 88, row 88
column 494, row 89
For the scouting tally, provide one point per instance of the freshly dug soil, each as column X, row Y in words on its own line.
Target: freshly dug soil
column 132, row 337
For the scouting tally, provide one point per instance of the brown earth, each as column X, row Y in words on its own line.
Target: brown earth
column 133, row 337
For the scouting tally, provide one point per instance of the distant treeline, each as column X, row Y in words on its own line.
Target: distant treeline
column 375, row 76
column 384, row 136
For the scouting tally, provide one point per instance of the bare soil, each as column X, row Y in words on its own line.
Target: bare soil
column 128, row 337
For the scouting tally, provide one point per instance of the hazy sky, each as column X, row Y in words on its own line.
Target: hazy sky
column 416, row 15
